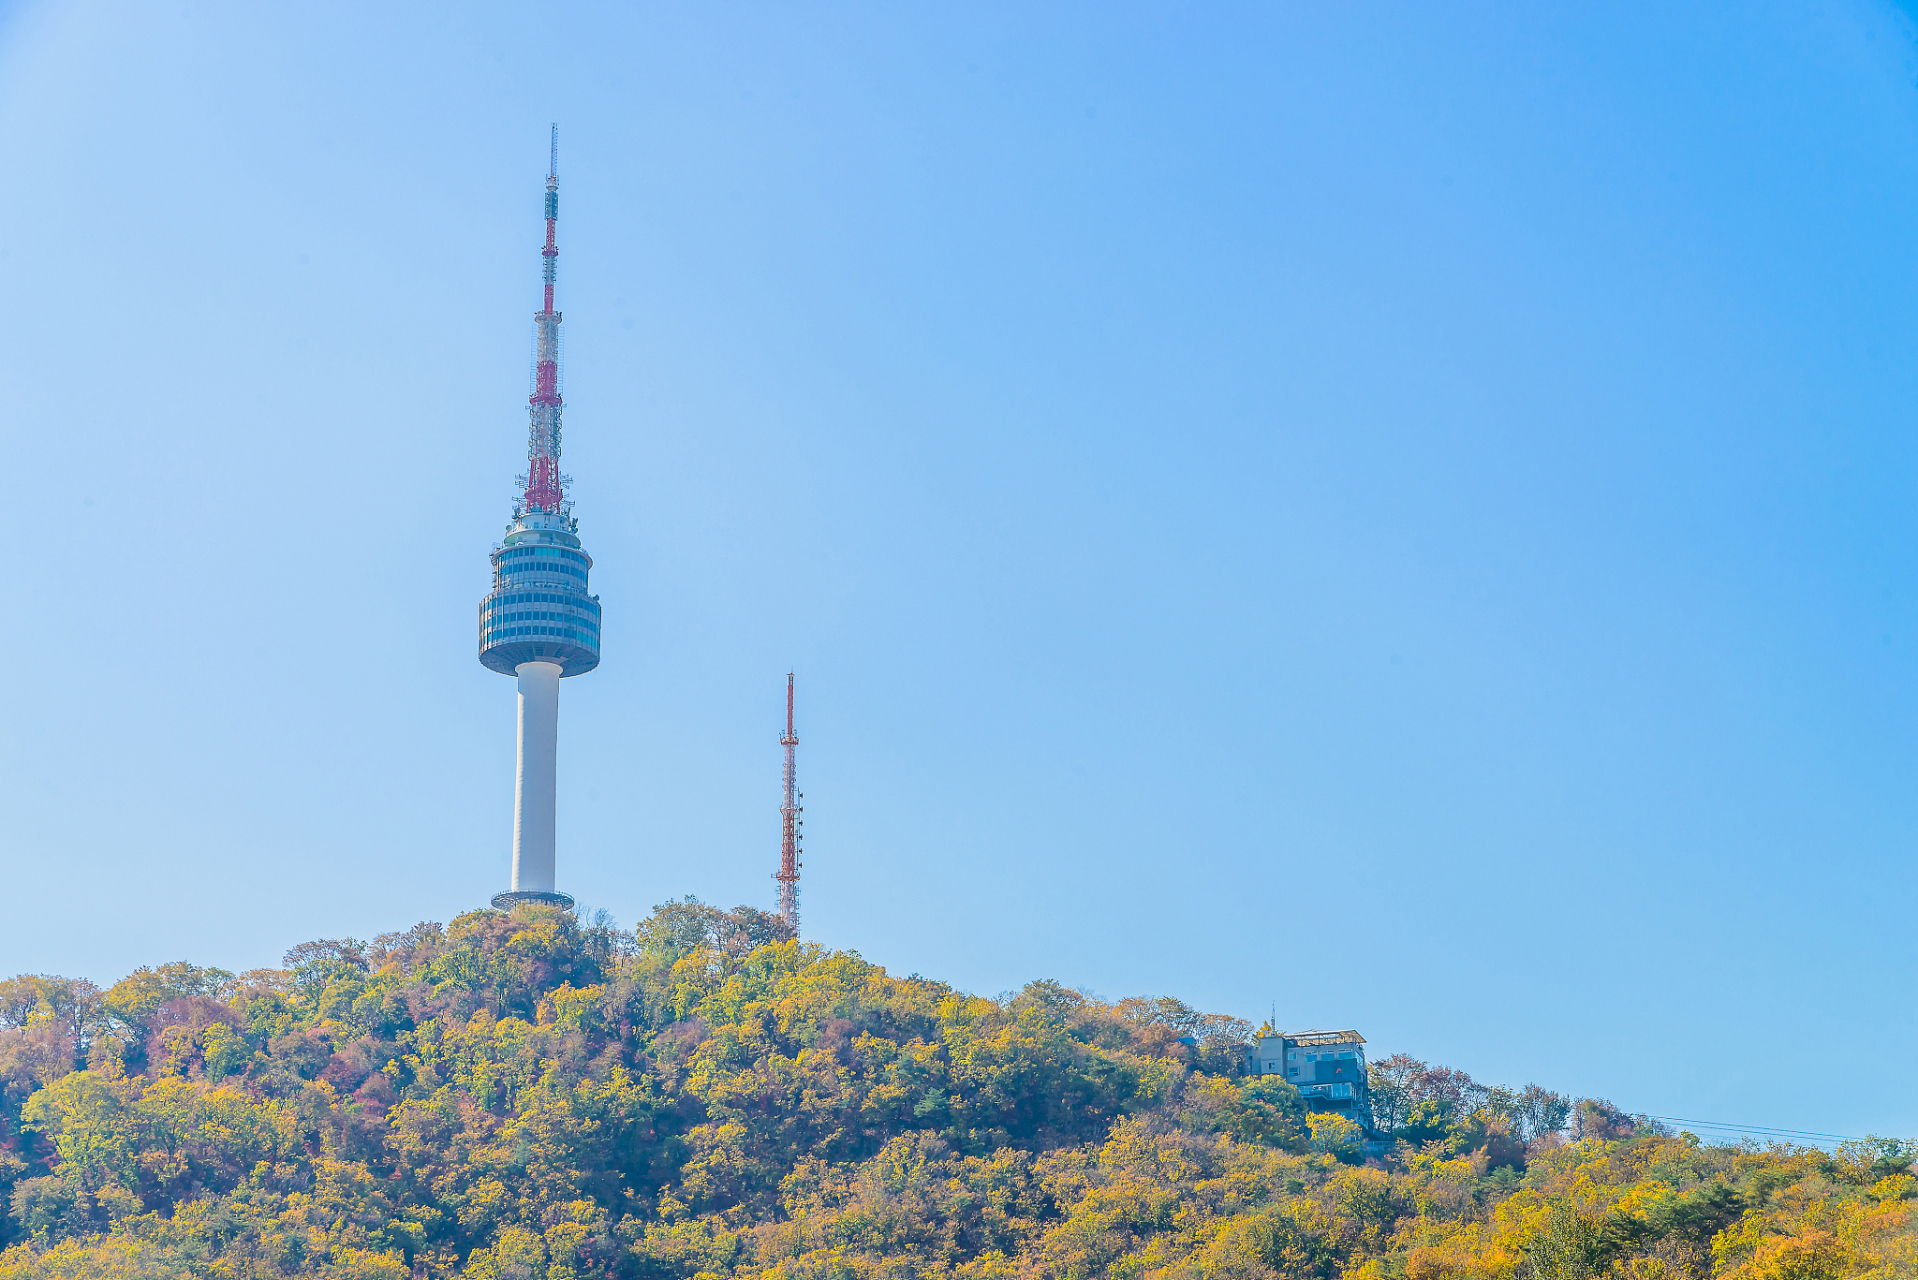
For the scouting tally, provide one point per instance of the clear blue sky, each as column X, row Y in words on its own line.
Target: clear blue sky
column 1403, row 514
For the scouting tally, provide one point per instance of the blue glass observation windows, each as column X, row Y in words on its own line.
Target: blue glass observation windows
column 542, row 553
column 544, row 615
column 543, row 560
column 543, row 567
column 542, row 597
column 559, row 633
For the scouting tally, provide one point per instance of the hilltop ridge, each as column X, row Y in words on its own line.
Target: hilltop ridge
column 536, row 1096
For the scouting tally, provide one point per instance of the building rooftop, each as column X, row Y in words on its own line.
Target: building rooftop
column 1324, row 1037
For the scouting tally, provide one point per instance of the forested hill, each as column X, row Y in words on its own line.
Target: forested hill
column 533, row 1097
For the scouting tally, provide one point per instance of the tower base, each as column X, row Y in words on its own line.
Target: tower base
column 513, row 897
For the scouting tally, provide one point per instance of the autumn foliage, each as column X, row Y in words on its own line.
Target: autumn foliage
column 537, row 1097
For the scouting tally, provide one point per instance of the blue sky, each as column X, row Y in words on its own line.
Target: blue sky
column 1396, row 514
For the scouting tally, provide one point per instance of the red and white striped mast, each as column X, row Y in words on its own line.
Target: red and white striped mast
column 789, row 812
column 545, row 486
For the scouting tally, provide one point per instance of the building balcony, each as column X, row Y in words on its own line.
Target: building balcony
column 1325, row 1090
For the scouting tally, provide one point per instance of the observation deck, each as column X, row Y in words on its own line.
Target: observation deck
column 539, row 609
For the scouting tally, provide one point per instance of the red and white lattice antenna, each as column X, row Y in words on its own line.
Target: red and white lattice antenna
column 545, row 486
column 788, row 876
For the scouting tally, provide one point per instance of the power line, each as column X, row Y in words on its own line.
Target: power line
column 1763, row 1131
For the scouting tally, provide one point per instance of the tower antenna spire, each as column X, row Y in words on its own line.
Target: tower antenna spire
column 545, row 486
column 789, row 811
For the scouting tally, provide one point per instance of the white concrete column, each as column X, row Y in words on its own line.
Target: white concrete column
column 536, row 790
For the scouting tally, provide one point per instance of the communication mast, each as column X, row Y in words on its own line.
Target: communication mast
column 788, row 875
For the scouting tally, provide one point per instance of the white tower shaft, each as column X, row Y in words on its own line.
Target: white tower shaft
column 536, row 788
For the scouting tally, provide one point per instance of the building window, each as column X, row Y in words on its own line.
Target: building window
column 1294, row 1071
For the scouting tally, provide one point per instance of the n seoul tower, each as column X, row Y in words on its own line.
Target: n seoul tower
column 538, row 622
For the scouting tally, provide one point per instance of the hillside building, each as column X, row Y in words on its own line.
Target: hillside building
column 1328, row 1068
